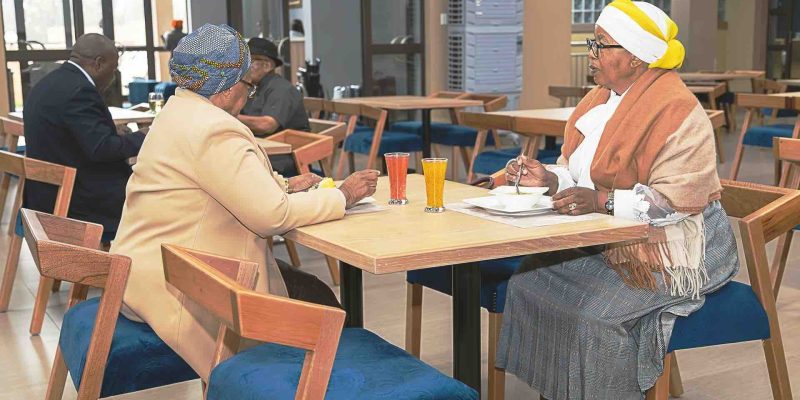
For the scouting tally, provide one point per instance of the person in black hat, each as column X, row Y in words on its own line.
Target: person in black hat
column 276, row 105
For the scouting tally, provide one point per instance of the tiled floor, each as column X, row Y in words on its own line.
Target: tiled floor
column 726, row 372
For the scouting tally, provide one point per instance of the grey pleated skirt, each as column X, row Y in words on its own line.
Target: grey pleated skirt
column 573, row 330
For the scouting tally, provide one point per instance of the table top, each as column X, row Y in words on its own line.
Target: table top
column 790, row 82
column 405, row 237
column 121, row 116
column 546, row 121
column 410, row 102
column 272, row 147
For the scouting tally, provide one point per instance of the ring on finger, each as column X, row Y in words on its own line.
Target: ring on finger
column 572, row 206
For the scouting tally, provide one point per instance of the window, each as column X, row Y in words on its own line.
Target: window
column 587, row 11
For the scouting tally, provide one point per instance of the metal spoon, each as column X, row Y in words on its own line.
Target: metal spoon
column 519, row 176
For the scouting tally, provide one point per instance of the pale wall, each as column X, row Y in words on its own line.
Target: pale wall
column 546, row 51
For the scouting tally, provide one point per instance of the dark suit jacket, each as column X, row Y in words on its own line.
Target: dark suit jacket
column 67, row 123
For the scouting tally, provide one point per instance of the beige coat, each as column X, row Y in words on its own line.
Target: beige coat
column 202, row 182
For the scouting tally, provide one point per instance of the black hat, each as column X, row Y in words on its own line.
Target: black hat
column 263, row 47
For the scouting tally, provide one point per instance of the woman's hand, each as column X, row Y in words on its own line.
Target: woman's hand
column 534, row 174
column 303, row 182
column 577, row 201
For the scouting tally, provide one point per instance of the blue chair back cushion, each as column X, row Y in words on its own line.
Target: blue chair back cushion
column 138, row 359
column 139, row 89
column 732, row 314
column 494, row 280
column 761, row 136
column 443, row 133
column 360, row 141
column 366, row 367
column 167, row 89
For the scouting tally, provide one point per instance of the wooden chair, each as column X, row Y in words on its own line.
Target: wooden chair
column 373, row 142
column 462, row 138
column 565, row 94
column 761, row 136
column 717, row 119
column 337, row 131
column 64, row 249
column 10, row 132
column 769, row 86
column 30, row 169
column 765, row 213
column 301, row 338
column 787, row 166
column 313, row 106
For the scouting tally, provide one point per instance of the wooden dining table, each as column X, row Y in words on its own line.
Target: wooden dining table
column 410, row 103
column 404, row 238
column 711, row 76
column 121, row 116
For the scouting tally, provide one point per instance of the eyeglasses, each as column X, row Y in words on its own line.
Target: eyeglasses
column 595, row 47
column 253, row 88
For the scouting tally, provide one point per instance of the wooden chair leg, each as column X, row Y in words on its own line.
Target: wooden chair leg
column 5, row 183
column 675, row 381
column 333, row 266
column 56, row 286
column 291, row 248
column 351, row 162
column 58, row 378
column 718, row 143
column 453, row 164
column 497, row 376
column 40, row 305
column 413, row 318
column 660, row 391
column 779, row 261
column 737, row 157
column 12, row 226
column 776, row 366
column 10, row 273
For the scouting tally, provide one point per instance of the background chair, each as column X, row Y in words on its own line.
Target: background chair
column 738, row 312
column 307, row 355
column 787, row 166
column 30, row 169
column 10, row 132
column 761, row 136
column 106, row 353
column 373, row 142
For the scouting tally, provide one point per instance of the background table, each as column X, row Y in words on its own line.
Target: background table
column 533, row 124
column 405, row 238
column 408, row 103
column 121, row 116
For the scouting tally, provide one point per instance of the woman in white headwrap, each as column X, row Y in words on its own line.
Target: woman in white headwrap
column 596, row 322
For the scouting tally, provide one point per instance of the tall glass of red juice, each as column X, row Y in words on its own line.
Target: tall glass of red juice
column 397, row 168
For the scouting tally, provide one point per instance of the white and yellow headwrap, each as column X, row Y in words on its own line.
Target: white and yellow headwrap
column 645, row 31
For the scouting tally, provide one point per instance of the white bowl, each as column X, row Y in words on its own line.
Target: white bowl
column 507, row 196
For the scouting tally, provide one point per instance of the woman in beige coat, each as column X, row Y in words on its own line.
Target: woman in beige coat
column 201, row 181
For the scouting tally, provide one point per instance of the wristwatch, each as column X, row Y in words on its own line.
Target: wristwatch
column 610, row 203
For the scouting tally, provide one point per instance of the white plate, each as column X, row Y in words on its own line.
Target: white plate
column 491, row 204
column 366, row 200
column 522, row 190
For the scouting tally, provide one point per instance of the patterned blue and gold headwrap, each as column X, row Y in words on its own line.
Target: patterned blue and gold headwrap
column 210, row 60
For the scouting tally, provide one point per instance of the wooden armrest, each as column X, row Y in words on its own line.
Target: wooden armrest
column 776, row 209
column 71, row 262
column 750, row 100
column 43, row 226
column 306, row 147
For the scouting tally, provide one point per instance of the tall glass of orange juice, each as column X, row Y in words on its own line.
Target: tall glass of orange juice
column 434, row 170
column 397, row 168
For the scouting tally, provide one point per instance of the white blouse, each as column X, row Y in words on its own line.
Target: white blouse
column 640, row 203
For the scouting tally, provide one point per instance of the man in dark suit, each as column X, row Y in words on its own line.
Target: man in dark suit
column 67, row 123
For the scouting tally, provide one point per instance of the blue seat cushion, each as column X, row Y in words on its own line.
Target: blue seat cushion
column 366, row 367
column 106, row 237
column 491, row 161
column 20, row 150
column 138, row 359
column 782, row 113
column 761, row 136
column 360, row 141
column 494, row 280
column 732, row 314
